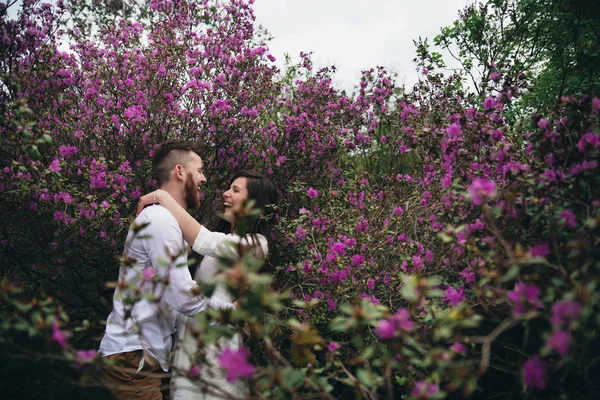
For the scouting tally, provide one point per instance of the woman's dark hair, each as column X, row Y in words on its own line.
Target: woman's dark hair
column 265, row 196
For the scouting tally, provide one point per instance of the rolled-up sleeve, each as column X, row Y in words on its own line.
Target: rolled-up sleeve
column 216, row 244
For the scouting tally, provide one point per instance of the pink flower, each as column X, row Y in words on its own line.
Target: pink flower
column 489, row 103
column 524, row 297
column 371, row 284
column 235, row 363
column 596, row 105
column 495, row 76
column 417, row 262
column 58, row 215
column 300, row 233
column 357, row 260
column 453, row 296
column 468, row 275
column 66, row 197
column 388, row 328
column 543, row 123
column 398, row 211
column 569, row 219
column 194, row 371
column 333, row 346
column 564, row 312
column 312, row 193
column 59, row 336
column 425, row 390
column 559, row 341
column 148, row 274
column 458, row 347
column 446, row 181
column 339, row 248
column 481, row 189
column 55, row 165
column 67, row 151
column 540, row 250
column 84, row 356
column 534, row 372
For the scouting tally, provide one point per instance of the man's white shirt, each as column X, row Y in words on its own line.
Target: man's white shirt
column 148, row 324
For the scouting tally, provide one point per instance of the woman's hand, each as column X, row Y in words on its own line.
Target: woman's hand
column 147, row 199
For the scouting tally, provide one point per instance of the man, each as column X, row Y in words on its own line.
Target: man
column 137, row 339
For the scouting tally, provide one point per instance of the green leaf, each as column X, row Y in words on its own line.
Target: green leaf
column 367, row 353
column 292, row 377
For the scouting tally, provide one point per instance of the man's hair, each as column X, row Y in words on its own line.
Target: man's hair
column 169, row 154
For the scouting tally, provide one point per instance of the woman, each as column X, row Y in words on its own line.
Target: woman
column 245, row 185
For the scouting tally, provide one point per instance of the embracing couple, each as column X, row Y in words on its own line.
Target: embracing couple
column 138, row 339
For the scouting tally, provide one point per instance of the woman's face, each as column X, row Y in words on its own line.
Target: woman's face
column 234, row 198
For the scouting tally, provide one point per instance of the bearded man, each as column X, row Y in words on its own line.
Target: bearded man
column 154, row 282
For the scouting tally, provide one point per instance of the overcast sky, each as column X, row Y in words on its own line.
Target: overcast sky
column 355, row 34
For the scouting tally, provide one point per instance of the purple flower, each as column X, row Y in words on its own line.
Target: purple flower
column 548, row 175
column 59, row 336
column 148, row 274
column 534, row 372
column 495, row 76
column 55, row 165
column 458, row 348
column 362, row 225
column 371, row 284
column 454, row 130
column 424, row 390
column 540, row 250
column 357, row 260
column 84, row 356
column 417, row 262
column 66, row 197
column 543, row 123
column 559, row 341
column 312, row 193
column 446, row 181
column 398, row 211
column 235, row 363
column 524, row 297
column 333, row 346
column 58, row 215
column 67, row 151
column 482, row 189
column 596, row 104
column 194, row 371
column 300, row 233
column 489, row 103
column 564, row 312
column 386, row 329
column 568, row 218
column 468, row 275
column 453, row 296
column 339, row 248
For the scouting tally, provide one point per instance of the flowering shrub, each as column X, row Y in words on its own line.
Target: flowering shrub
column 428, row 239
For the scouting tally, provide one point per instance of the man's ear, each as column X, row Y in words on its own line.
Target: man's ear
column 179, row 172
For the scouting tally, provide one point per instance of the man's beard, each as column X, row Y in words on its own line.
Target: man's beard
column 192, row 196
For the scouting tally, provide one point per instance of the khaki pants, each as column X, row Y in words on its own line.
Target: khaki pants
column 125, row 381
